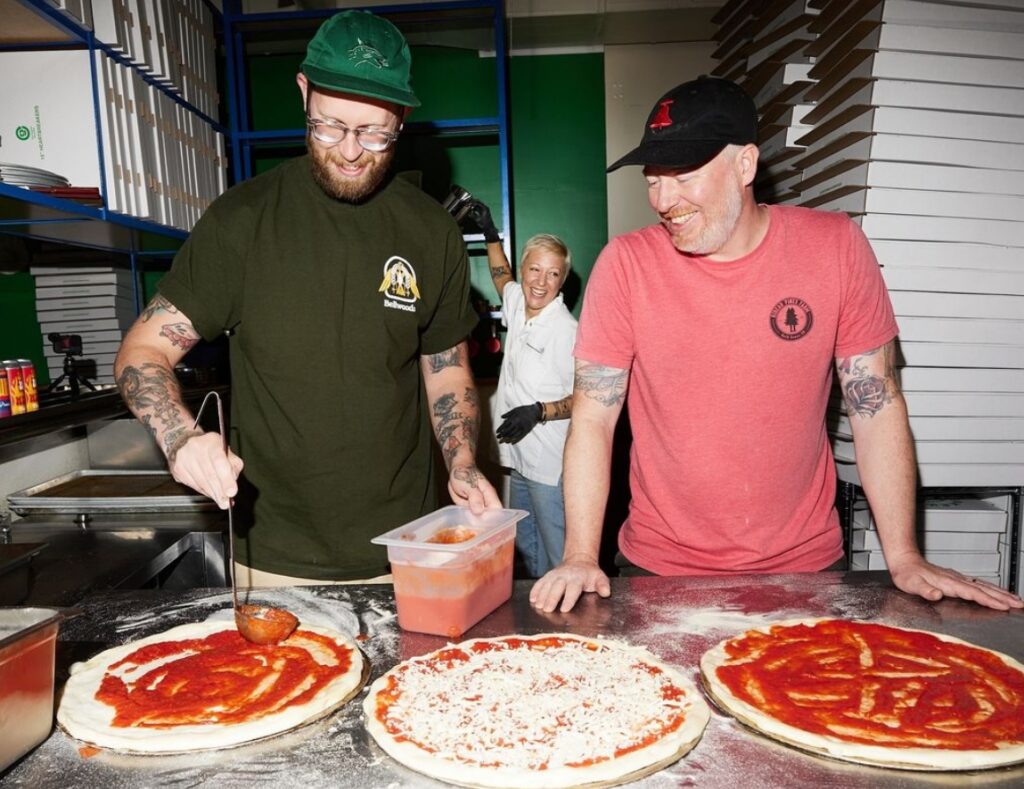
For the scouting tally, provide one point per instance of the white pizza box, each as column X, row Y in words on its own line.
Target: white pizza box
column 957, row 404
column 93, row 350
column 953, row 280
column 83, row 269
column 951, row 474
column 978, row 513
column 780, row 43
column 960, row 330
column 965, row 14
column 895, row 253
column 780, row 143
column 137, row 40
column 962, row 305
column 132, row 153
column 873, row 36
column 106, row 18
column 981, row 542
column 947, row 428
column 910, row 175
column 124, row 311
column 923, row 202
column 80, row 327
column 48, row 121
column 957, row 379
column 972, row 562
column 95, row 338
column 76, row 290
column 932, row 452
column 915, row 121
column 864, row 146
column 111, row 277
column 950, row 354
column 779, row 13
column 941, row 228
column 109, row 184
column 927, row 67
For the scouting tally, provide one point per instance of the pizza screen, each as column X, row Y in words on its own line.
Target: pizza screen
column 204, row 686
column 510, row 711
column 863, row 689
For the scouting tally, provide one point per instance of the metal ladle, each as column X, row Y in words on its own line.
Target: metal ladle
column 258, row 624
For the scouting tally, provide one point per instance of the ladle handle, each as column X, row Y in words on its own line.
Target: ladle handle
column 231, row 502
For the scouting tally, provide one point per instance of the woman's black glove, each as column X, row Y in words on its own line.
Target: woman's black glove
column 518, row 422
column 481, row 216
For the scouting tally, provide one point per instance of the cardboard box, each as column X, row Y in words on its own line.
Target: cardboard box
column 894, row 253
column 923, row 202
column 961, row 305
column 950, row 475
column 954, row 280
column 932, row 228
column 910, row 175
column 999, row 404
column 953, row 379
column 946, row 428
column 947, row 354
column 935, row 541
column 934, row 452
column 973, row 563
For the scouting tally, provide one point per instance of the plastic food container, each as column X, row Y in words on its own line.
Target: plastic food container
column 451, row 568
column 28, row 638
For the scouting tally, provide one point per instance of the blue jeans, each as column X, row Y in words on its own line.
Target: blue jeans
column 540, row 536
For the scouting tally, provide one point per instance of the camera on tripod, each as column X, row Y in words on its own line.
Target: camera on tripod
column 70, row 344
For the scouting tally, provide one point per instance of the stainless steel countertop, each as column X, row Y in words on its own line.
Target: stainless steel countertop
column 676, row 618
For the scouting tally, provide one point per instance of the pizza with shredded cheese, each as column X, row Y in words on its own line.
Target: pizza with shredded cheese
column 552, row 710
column 202, row 686
column 873, row 693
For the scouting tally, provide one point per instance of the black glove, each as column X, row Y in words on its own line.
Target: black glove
column 518, row 422
column 481, row 216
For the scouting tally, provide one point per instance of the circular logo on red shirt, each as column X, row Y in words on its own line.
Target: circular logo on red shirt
column 791, row 318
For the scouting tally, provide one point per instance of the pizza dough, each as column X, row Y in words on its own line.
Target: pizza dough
column 552, row 710
column 873, row 694
column 202, row 686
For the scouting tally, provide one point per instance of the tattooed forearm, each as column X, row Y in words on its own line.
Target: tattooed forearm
column 865, row 393
column 606, row 385
column 158, row 304
column 154, row 396
column 500, row 271
column 557, row 409
column 449, row 358
column 455, row 427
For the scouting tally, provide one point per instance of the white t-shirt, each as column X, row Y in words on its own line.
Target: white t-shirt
column 538, row 367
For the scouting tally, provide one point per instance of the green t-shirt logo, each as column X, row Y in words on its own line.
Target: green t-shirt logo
column 23, row 132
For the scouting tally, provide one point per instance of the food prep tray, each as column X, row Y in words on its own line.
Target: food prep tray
column 105, row 490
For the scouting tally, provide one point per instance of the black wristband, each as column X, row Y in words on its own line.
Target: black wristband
column 540, row 406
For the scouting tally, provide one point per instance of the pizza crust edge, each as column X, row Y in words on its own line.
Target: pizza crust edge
column 629, row 768
column 84, row 718
column 922, row 759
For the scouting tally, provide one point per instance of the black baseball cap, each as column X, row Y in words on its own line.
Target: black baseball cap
column 691, row 123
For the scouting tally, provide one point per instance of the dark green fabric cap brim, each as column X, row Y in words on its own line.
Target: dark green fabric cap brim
column 346, row 83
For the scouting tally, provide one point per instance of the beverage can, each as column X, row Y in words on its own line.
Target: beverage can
column 28, row 375
column 15, row 385
column 5, row 393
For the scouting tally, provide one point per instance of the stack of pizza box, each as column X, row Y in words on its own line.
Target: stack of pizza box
column 763, row 46
column 92, row 301
column 909, row 116
column 918, row 134
column 966, row 533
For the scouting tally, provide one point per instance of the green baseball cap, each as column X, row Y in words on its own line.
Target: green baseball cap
column 362, row 53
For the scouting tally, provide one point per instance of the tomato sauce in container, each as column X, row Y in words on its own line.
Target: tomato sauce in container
column 28, row 639
column 451, row 568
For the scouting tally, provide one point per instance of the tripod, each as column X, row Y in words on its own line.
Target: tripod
column 73, row 378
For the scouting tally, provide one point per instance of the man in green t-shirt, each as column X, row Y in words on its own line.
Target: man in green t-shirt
column 345, row 295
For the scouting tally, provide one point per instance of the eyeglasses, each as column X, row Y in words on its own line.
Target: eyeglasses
column 332, row 133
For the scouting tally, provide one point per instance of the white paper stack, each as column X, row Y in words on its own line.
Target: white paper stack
column 170, row 40
column 161, row 161
column 969, row 534
column 918, row 134
column 95, row 302
column 763, row 46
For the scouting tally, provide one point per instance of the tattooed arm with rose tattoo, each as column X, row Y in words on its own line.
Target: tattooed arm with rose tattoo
column 455, row 413
column 598, row 395
column 888, row 473
column 144, row 370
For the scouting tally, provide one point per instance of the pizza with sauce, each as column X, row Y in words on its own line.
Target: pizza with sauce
column 201, row 686
column 873, row 694
column 552, row 710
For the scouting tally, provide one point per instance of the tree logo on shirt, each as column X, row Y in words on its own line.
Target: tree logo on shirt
column 791, row 318
column 399, row 286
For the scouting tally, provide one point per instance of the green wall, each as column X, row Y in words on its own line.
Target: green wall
column 19, row 330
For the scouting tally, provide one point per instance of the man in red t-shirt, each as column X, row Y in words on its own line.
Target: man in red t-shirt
column 724, row 323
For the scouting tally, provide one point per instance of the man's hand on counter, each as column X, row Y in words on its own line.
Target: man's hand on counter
column 201, row 464
column 567, row 582
column 914, row 575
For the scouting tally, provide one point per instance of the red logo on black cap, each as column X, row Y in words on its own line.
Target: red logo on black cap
column 663, row 119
